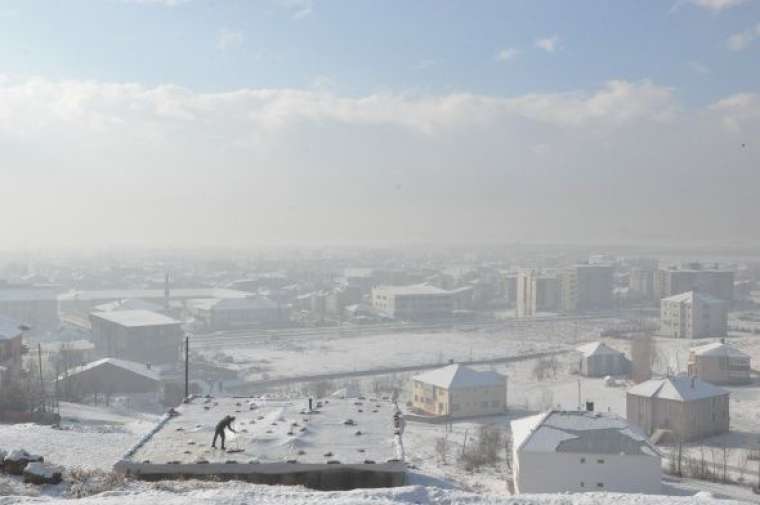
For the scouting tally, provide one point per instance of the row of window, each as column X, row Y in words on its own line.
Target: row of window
column 600, row 461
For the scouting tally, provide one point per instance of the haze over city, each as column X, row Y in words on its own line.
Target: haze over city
column 184, row 123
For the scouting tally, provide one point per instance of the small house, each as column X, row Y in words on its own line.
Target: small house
column 720, row 363
column 599, row 360
column 459, row 391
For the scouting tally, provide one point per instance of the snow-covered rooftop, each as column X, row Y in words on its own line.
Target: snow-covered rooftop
column 579, row 432
column 134, row 318
column 131, row 366
column 177, row 293
column 690, row 296
column 719, row 349
column 459, row 376
column 249, row 303
column 679, row 388
column 276, row 431
column 414, row 289
column 128, row 304
column 9, row 328
column 595, row 348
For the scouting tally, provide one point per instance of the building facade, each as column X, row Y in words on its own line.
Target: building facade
column 713, row 281
column 597, row 359
column 586, row 288
column 459, row 391
column 576, row 452
column 137, row 335
column 417, row 302
column 686, row 408
column 536, row 293
column 693, row 315
column 720, row 363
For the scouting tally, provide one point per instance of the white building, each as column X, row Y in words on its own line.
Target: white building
column 693, row 315
column 599, row 360
column 576, row 451
column 415, row 302
column 459, row 391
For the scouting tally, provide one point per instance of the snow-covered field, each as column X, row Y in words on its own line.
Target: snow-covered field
column 319, row 355
column 235, row 493
column 90, row 437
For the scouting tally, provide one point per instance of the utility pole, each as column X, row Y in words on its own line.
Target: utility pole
column 42, row 382
column 187, row 366
column 579, row 394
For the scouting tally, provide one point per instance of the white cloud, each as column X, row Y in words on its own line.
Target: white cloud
column 228, row 39
column 507, row 54
column 548, row 44
column 717, row 5
column 741, row 40
column 299, row 8
column 124, row 162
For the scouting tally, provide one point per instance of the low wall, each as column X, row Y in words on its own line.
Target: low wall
column 315, row 476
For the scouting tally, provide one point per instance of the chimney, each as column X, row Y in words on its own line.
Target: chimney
column 589, row 406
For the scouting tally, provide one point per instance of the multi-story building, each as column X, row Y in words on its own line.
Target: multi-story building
column 642, row 282
column 715, row 281
column 137, row 335
column 693, row 315
column 586, row 288
column 536, row 293
column 11, row 347
column 414, row 302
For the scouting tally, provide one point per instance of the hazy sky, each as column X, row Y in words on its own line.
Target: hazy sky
column 182, row 122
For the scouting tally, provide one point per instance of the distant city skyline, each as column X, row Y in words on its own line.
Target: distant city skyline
column 180, row 123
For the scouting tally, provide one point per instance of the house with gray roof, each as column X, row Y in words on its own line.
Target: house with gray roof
column 581, row 451
column 682, row 408
column 597, row 359
column 720, row 363
column 459, row 391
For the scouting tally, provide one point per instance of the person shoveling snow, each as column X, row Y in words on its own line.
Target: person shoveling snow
column 225, row 423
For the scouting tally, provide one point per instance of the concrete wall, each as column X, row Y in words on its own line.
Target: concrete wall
column 557, row 472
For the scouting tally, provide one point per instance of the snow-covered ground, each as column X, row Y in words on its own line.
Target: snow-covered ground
column 90, row 437
column 318, row 355
column 235, row 493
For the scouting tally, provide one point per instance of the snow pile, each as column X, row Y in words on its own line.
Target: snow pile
column 234, row 493
column 15, row 462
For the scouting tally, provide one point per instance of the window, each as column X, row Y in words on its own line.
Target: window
column 600, row 461
column 600, row 484
column 582, row 484
column 583, row 460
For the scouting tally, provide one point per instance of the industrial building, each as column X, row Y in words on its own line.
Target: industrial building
column 599, row 360
column 35, row 307
column 577, row 451
column 720, row 363
column 586, row 288
column 136, row 335
column 682, row 408
column 693, row 315
column 459, row 391
column 417, row 302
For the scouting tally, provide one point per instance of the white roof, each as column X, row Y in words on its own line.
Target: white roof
column 690, row 296
column 128, row 304
column 149, row 294
column 9, row 328
column 70, row 345
column 595, row 348
column 250, row 303
column 459, row 376
column 414, row 289
column 131, row 366
column 579, row 432
column 719, row 349
column 134, row 318
column 680, row 388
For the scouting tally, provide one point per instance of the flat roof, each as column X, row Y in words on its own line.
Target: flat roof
column 276, row 431
column 134, row 318
column 414, row 289
column 118, row 294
